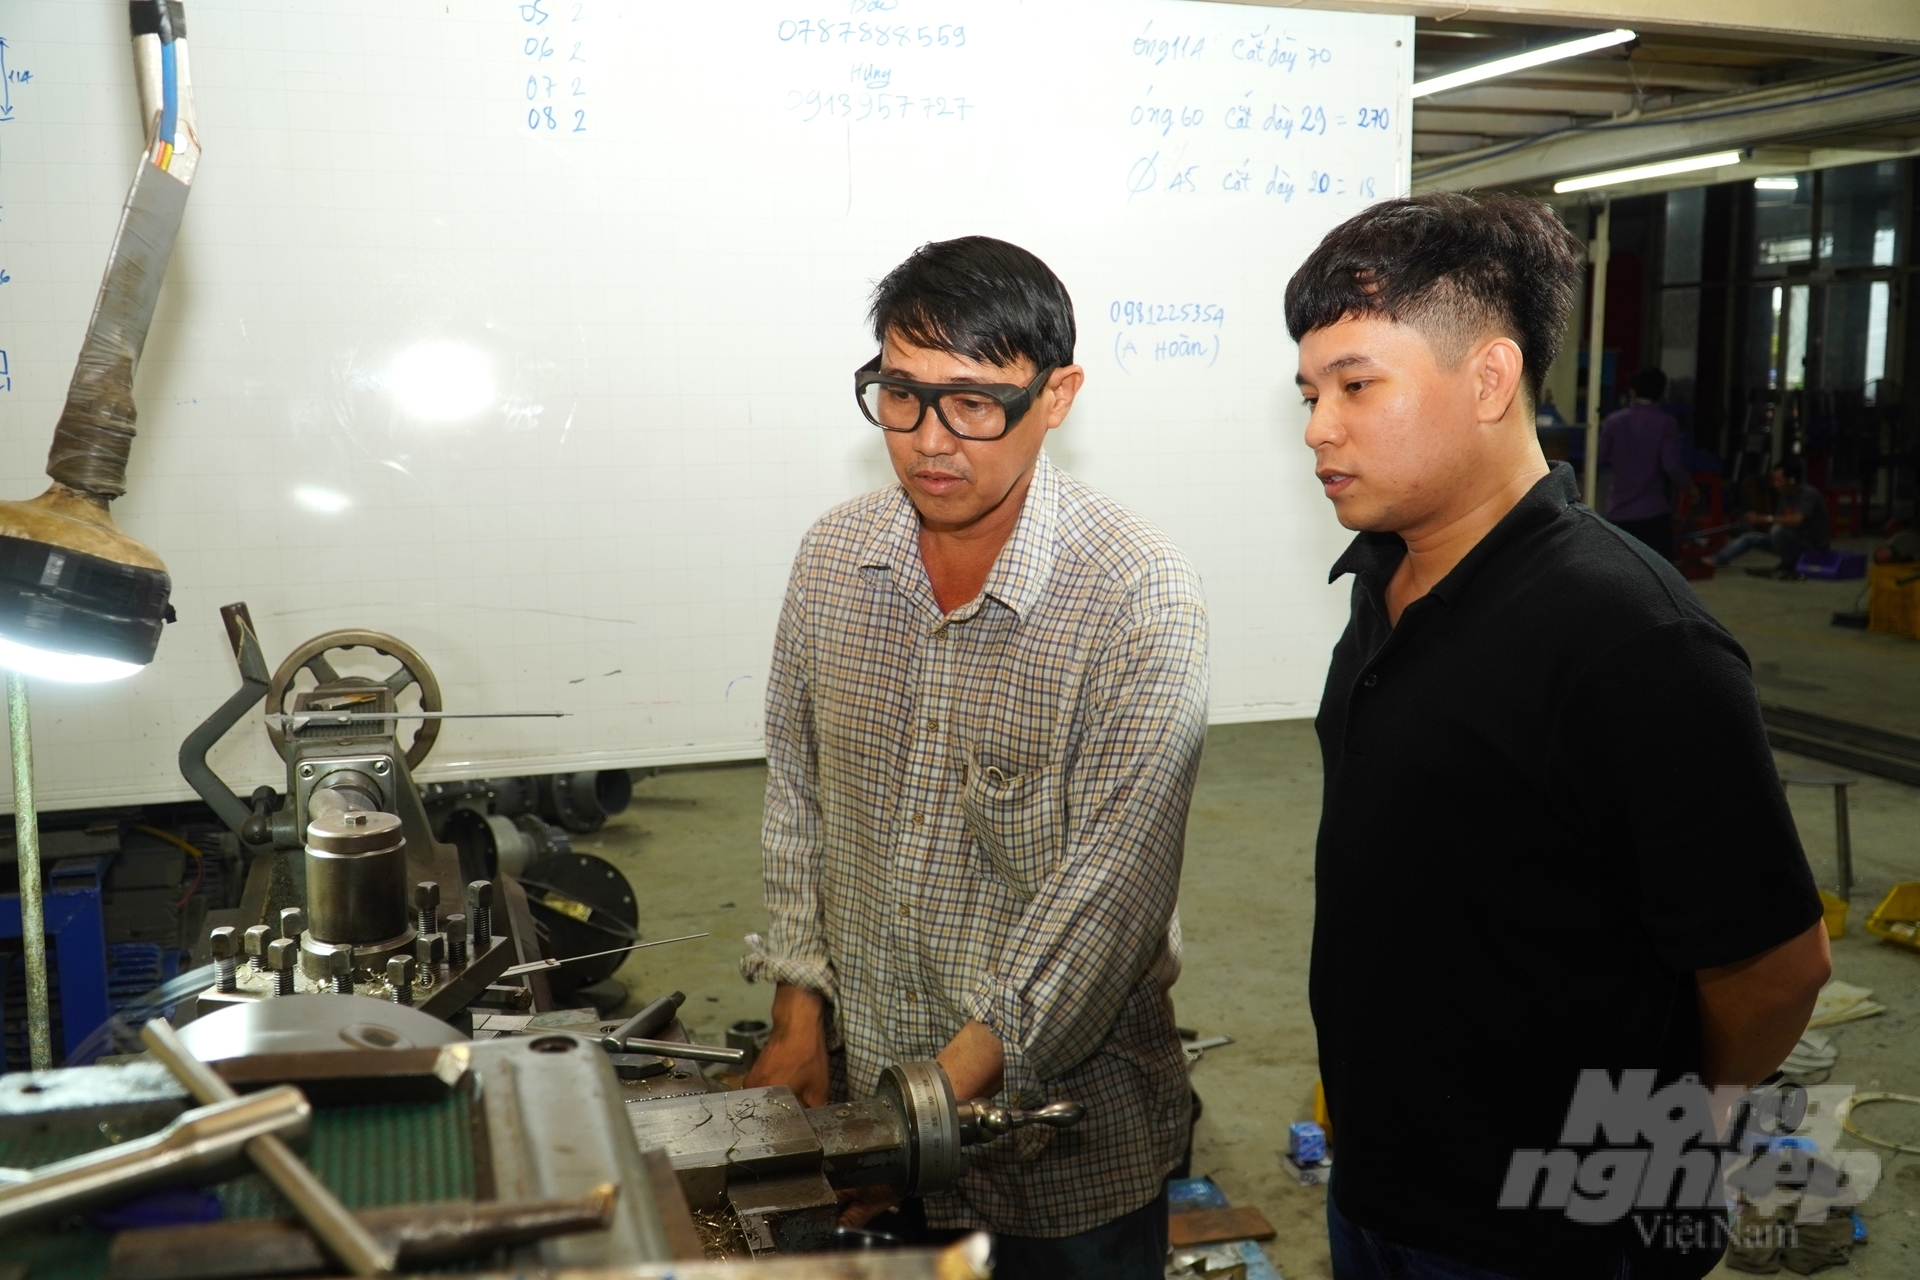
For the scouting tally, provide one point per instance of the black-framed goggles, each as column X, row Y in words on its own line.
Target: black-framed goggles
column 970, row 410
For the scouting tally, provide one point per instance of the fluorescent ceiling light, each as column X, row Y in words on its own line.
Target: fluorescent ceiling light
column 70, row 668
column 1620, row 177
column 1786, row 182
column 1521, row 61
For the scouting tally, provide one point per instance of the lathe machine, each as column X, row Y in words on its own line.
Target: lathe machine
column 374, row 1083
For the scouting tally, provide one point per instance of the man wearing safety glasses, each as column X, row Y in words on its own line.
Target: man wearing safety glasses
column 985, row 713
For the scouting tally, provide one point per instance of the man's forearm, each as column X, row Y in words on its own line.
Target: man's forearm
column 975, row 1062
column 1752, row 1013
column 796, row 1052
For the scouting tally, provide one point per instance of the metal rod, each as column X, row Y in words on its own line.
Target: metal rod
column 194, row 1146
column 691, row 1052
column 301, row 719
column 343, row 1234
column 26, row 834
column 1598, row 253
column 538, row 966
column 1842, row 840
column 652, row 1018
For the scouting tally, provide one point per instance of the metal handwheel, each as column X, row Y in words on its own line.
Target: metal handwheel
column 312, row 656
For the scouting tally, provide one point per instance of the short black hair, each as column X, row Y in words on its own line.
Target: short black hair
column 1457, row 266
column 1790, row 467
column 980, row 298
column 1649, row 384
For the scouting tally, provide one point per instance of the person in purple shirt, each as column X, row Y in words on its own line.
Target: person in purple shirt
column 1640, row 444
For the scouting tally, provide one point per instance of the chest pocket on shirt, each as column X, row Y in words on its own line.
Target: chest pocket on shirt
column 1015, row 819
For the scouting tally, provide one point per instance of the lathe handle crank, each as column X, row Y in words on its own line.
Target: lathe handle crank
column 984, row 1119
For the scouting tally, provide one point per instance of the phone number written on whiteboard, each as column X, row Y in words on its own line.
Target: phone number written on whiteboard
column 830, row 33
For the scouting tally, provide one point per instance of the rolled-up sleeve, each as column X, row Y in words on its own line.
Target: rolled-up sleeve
column 1102, row 919
column 794, row 949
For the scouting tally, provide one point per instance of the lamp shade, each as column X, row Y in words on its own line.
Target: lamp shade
column 74, row 587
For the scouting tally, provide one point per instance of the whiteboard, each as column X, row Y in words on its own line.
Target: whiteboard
column 524, row 330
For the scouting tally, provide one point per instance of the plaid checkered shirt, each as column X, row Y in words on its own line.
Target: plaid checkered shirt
column 980, row 815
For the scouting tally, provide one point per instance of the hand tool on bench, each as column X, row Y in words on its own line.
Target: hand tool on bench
column 195, row 1145
column 345, row 1238
column 419, row 1235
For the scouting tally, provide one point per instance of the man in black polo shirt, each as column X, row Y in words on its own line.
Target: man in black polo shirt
column 1553, row 840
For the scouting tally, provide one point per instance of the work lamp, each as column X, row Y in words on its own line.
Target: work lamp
column 79, row 599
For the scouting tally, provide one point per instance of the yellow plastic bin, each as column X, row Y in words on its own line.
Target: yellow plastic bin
column 1897, row 918
column 1833, row 909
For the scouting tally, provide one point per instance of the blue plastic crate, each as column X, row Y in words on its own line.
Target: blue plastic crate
column 1832, row 566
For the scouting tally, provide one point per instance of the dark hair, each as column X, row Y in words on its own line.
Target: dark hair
column 980, row 298
column 1458, row 266
column 1648, row 384
column 1790, row 467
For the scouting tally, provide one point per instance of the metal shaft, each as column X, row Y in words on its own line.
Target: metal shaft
column 196, row 1144
column 690, row 1052
column 651, row 1020
column 344, row 1236
column 26, row 833
column 1598, row 255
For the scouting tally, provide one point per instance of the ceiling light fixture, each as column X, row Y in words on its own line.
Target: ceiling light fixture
column 1638, row 172
column 1521, row 61
column 1784, row 182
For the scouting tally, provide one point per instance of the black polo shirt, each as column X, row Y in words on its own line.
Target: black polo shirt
column 1549, row 799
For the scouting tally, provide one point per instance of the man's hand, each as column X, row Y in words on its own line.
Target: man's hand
column 796, row 1052
column 974, row 1062
column 862, row 1205
column 1759, row 518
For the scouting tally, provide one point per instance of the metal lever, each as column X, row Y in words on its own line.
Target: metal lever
column 652, row 1019
column 198, row 1141
column 983, row 1119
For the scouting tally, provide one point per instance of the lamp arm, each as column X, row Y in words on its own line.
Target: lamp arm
column 95, row 432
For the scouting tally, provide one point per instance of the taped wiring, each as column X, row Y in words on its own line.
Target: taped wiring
column 95, row 432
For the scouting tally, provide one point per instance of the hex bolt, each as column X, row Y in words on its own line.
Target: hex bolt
column 426, row 908
column 281, row 954
column 340, row 969
column 456, row 930
column 255, row 944
column 293, row 922
column 400, row 978
column 429, row 953
column 223, row 944
column 480, row 904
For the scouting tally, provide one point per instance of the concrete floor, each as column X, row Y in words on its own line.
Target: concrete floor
column 690, row 846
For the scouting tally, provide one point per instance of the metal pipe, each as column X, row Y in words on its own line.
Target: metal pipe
column 343, row 1234
column 1597, row 253
column 1842, row 839
column 26, row 834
